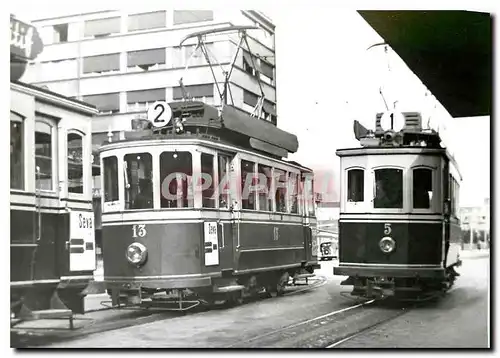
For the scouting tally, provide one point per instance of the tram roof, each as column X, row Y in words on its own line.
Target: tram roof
column 450, row 51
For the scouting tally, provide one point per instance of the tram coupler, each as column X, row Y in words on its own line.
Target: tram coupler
column 380, row 287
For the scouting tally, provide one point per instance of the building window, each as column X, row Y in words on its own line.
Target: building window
column 355, row 185
column 146, row 60
column 388, row 189
column 145, row 21
column 248, row 183
column 60, row 33
column 267, row 69
column 281, row 189
column 224, row 180
column 176, row 180
column 44, row 132
column 110, row 165
column 188, row 17
column 422, row 188
column 75, row 163
column 140, row 100
column 293, row 192
column 102, row 27
column 138, row 181
column 250, row 98
column 101, row 63
column 265, row 185
column 190, row 55
column 105, row 103
column 16, row 152
column 201, row 92
column 207, row 181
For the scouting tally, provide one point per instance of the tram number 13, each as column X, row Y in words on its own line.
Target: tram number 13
column 138, row 230
column 387, row 229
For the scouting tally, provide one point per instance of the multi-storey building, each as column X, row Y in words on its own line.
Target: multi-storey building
column 476, row 221
column 122, row 61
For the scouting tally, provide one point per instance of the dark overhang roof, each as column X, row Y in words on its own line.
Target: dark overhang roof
column 450, row 51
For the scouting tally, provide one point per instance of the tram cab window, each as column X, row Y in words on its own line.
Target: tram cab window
column 422, row 188
column 138, row 181
column 110, row 165
column 265, row 181
column 75, row 163
column 388, row 189
column 293, row 191
column 207, row 180
column 176, row 180
column 44, row 155
column 248, row 183
column 224, row 180
column 281, row 190
column 16, row 152
column 355, row 185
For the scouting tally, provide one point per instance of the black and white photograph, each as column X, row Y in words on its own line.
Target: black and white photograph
column 284, row 177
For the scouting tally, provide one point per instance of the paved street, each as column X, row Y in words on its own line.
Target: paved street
column 315, row 319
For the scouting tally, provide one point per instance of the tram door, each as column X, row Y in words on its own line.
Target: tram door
column 310, row 241
column 82, row 254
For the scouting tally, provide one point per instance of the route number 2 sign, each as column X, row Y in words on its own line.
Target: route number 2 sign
column 159, row 113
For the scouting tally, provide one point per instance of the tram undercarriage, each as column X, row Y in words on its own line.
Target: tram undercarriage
column 229, row 291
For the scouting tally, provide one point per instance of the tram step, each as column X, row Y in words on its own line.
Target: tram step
column 53, row 313
column 229, row 288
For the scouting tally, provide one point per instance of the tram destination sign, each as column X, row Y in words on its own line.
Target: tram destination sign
column 25, row 41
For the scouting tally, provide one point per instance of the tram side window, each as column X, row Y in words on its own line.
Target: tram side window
column 43, row 155
column 176, row 180
column 110, row 166
column 422, row 188
column 454, row 188
column 265, row 181
column 138, row 181
column 293, row 193
column 207, row 180
column 248, row 183
column 224, row 181
column 75, row 163
column 281, row 189
column 309, row 194
column 388, row 189
column 355, row 185
column 16, row 152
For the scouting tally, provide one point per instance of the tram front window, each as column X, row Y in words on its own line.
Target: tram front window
column 110, row 165
column 207, row 180
column 176, row 174
column 422, row 188
column 138, row 181
column 388, row 189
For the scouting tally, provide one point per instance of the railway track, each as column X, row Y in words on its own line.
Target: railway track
column 132, row 316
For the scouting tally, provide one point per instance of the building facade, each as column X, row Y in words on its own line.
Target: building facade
column 121, row 62
column 475, row 222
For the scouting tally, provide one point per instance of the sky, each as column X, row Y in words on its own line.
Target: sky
column 326, row 78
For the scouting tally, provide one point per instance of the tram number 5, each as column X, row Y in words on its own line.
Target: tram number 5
column 139, row 230
column 159, row 113
column 387, row 229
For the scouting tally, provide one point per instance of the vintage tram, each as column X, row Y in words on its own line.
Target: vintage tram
column 52, row 250
column 206, row 208
column 399, row 229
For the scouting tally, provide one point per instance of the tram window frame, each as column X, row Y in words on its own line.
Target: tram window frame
column 308, row 181
column 82, row 148
column 208, row 195
column 224, row 188
column 419, row 181
column 186, row 198
column 397, row 200
column 133, row 197
column 247, row 185
column 281, row 192
column 293, row 192
column 454, row 188
column 110, row 179
column 52, row 176
column 17, row 152
column 264, row 195
column 358, row 192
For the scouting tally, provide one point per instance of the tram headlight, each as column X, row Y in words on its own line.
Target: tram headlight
column 137, row 253
column 387, row 245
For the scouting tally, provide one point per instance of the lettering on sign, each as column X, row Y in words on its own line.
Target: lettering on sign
column 138, row 230
column 84, row 223
column 25, row 42
column 276, row 235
